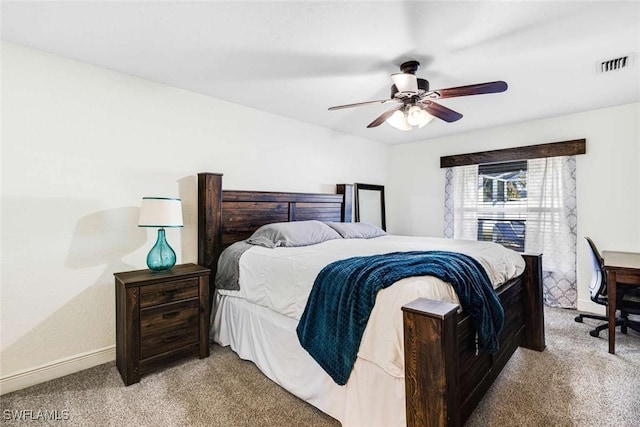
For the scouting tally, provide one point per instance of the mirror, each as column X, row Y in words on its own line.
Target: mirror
column 369, row 201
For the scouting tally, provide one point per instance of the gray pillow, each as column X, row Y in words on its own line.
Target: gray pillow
column 292, row 234
column 356, row 230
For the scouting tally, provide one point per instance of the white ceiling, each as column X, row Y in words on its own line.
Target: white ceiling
column 296, row 59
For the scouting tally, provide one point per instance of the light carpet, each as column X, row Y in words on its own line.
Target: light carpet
column 574, row 382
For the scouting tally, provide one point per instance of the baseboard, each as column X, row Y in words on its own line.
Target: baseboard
column 56, row 369
column 589, row 306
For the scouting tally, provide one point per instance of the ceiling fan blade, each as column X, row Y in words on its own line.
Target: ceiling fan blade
column 405, row 82
column 359, row 104
column 441, row 112
column 384, row 116
column 477, row 89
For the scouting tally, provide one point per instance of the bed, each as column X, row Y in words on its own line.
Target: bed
column 444, row 377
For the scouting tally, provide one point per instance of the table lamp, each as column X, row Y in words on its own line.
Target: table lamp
column 161, row 212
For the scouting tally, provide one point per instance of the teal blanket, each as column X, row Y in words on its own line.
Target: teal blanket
column 344, row 293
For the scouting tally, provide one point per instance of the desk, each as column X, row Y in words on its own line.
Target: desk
column 620, row 267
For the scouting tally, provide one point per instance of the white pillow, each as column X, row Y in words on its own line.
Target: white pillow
column 356, row 230
column 292, row 234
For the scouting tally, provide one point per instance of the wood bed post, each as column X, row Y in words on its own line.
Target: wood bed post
column 430, row 363
column 533, row 305
column 209, row 223
column 444, row 379
column 347, row 207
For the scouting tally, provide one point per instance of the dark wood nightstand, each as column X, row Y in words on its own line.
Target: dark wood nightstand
column 161, row 316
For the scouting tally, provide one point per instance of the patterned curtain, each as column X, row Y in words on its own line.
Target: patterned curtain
column 461, row 203
column 551, row 226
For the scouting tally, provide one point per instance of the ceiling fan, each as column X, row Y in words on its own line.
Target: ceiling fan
column 417, row 106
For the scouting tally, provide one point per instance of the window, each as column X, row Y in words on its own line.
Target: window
column 502, row 203
column 528, row 206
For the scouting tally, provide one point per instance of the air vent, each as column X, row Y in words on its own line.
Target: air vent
column 615, row 64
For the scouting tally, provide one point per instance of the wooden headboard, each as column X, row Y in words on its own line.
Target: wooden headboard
column 227, row 216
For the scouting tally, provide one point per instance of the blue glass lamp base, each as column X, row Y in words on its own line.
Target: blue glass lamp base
column 161, row 256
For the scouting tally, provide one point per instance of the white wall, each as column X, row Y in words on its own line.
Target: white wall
column 608, row 178
column 81, row 145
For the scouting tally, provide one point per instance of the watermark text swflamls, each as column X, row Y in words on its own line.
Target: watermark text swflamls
column 35, row 415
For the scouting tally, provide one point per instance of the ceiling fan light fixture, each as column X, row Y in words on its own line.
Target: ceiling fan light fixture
column 426, row 122
column 399, row 120
column 416, row 116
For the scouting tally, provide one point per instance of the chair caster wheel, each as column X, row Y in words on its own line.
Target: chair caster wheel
column 594, row 333
column 578, row 319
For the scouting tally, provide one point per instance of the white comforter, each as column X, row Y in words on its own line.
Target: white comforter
column 281, row 279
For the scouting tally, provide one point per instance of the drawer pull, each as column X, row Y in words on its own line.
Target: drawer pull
column 170, row 291
column 170, row 315
column 171, row 338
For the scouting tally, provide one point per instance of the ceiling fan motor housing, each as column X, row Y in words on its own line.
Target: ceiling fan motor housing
column 423, row 85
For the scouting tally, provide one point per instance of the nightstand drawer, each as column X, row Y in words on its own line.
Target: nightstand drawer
column 168, row 292
column 167, row 340
column 168, row 315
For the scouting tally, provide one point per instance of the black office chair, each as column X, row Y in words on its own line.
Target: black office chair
column 628, row 298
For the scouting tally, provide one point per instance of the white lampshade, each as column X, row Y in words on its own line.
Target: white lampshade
column 160, row 212
column 399, row 120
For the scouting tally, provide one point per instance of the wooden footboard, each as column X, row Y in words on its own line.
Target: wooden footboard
column 444, row 377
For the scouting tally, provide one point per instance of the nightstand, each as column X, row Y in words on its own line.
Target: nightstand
column 161, row 316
